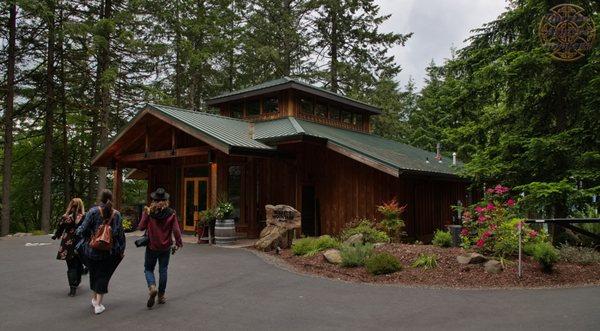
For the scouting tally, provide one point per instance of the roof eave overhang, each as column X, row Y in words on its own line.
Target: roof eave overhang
column 296, row 86
column 301, row 136
column 101, row 159
column 440, row 175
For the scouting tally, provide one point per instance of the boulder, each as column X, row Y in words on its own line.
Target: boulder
column 270, row 237
column 21, row 234
column 281, row 222
column 471, row 258
column 333, row 256
column 283, row 216
column 357, row 238
column 493, row 267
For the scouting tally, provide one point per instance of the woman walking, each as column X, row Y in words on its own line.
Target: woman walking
column 161, row 224
column 103, row 249
column 66, row 231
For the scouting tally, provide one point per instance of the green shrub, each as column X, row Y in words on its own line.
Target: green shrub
column 382, row 263
column 579, row 255
column 367, row 228
column 310, row 246
column 442, row 238
column 127, row 225
column 392, row 223
column 425, row 261
column 355, row 255
column 544, row 253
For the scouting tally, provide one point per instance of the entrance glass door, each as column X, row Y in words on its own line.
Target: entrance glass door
column 195, row 200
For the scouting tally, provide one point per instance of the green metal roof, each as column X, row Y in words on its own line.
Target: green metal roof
column 230, row 131
column 229, row 134
column 388, row 152
column 285, row 83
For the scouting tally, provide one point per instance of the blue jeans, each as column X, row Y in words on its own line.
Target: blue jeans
column 163, row 266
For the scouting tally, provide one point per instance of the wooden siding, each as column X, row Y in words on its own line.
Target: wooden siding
column 288, row 106
column 346, row 189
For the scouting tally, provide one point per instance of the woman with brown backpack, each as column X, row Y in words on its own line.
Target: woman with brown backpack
column 102, row 245
column 66, row 232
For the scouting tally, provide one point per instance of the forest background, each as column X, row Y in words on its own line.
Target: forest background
column 73, row 72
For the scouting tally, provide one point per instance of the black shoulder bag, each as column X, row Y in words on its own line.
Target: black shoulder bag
column 142, row 241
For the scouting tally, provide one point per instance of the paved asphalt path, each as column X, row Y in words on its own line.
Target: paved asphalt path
column 232, row 289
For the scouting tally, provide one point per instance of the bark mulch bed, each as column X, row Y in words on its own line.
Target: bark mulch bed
column 449, row 273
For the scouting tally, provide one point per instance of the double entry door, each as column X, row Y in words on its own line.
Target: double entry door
column 195, row 200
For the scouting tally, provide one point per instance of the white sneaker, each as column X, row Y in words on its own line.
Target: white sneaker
column 94, row 304
column 99, row 309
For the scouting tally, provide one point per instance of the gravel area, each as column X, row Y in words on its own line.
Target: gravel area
column 449, row 273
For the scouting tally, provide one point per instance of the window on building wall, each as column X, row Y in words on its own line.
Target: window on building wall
column 236, row 110
column 321, row 110
column 334, row 113
column 234, row 189
column 271, row 105
column 253, row 107
column 357, row 119
column 306, row 106
column 346, row 116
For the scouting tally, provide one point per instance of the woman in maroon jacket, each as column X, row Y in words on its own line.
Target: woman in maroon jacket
column 161, row 224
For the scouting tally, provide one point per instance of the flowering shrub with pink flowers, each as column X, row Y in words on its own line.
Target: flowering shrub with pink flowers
column 491, row 225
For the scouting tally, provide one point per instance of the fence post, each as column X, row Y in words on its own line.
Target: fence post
column 520, row 267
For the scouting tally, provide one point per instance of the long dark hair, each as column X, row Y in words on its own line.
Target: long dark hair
column 105, row 198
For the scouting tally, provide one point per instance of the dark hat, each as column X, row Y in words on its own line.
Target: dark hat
column 160, row 194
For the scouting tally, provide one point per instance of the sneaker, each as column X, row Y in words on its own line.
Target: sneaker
column 152, row 296
column 94, row 303
column 72, row 291
column 162, row 299
column 99, row 309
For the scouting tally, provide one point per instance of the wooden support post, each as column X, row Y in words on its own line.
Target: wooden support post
column 117, row 186
column 290, row 103
column 173, row 144
column 147, row 143
column 213, row 183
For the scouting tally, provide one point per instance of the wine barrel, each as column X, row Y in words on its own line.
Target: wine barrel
column 225, row 232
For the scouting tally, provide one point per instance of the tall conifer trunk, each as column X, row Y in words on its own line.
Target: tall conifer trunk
column 178, row 67
column 66, row 165
column 8, row 120
column 334, row 52
column 103, row 64
column 49, row 125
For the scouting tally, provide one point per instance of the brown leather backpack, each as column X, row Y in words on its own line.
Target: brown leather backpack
column 102, row 240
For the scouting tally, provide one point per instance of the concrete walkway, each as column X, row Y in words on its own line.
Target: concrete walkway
column 213, row 288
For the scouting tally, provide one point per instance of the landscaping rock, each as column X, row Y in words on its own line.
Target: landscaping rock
column 471, row 258
column 22, row 234
column 281, row 222
column 270, row 237
column 493, row 267
column 333, row 256
column 355, row 239
column 283, row 216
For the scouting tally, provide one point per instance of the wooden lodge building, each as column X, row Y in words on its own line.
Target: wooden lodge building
column 283, row 142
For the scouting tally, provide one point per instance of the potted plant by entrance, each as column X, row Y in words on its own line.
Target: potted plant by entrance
column 224, row 225
column 206, row 222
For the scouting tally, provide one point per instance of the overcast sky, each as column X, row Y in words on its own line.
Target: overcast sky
column 437, row 25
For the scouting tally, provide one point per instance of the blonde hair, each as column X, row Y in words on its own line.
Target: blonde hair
column 75, row 203
column 158, row 206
